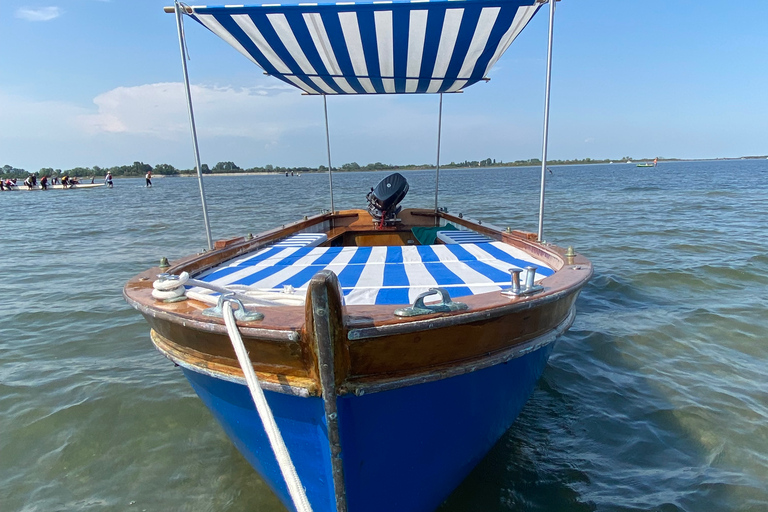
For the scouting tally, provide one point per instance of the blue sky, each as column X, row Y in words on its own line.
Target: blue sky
column 98, row 82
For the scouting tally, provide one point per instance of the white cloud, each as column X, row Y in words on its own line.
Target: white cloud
column 39, row 14
column 160, row 110
column 150, row 123
column 266, row 123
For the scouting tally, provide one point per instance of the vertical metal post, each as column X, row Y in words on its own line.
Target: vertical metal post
column 439, row 135
column 546, row 120
column 328, row 144
column 180, row 27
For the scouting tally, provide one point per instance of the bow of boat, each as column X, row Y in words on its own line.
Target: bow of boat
column 382, row 348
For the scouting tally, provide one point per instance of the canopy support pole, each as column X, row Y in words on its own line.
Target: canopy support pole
column 546, row 120
column 328, row 145
column 180, row 27
column 439, row 136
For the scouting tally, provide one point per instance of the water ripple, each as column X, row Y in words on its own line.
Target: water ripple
column 655, row 400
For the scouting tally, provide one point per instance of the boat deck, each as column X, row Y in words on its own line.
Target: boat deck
column 380, row 274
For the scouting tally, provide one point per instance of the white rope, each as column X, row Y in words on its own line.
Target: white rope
column 170, row 288
column 296, row 490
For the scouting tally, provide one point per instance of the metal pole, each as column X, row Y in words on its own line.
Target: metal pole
column 546, row 120
column 180, row 27
column 328, row 144
column 439, row 135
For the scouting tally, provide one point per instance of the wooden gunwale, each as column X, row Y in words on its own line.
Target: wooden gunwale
column 383, row 350
column 305, row 387
column 439, row 321
column 228, row 370
column 376, row 384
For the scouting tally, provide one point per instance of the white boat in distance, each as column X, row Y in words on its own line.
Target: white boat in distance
column 59, row 186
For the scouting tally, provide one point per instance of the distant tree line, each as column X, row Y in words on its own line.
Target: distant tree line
column 139, row 169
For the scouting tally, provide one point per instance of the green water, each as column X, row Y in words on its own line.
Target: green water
column 657, row 398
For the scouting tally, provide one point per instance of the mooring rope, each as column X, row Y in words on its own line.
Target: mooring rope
column 171, row 287
column 296, row 490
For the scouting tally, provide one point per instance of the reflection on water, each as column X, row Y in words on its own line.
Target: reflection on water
column 654, row 400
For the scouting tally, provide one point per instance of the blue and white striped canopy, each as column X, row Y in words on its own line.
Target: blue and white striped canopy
column 378, row 47
column 381, row 275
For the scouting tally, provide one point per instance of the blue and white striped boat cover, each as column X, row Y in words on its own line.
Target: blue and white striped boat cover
column 303, row 240
column 381, row 275
column 461, row 237
column 416, row 46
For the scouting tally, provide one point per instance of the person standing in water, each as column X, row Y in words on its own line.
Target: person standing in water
column 149, row 178
column 108, row 179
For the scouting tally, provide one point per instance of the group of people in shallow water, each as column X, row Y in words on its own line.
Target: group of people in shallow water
column 31, row 182
column 66, row 182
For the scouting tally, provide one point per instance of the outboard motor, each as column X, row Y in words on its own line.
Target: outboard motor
column 384, row 198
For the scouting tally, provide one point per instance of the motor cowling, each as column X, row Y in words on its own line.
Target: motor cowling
column 384, row 199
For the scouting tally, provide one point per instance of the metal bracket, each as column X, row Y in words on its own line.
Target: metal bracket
column 165, row 276
column 241, row 313
column 419, row 308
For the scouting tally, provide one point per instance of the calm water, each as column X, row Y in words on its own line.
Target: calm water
column 657, row 398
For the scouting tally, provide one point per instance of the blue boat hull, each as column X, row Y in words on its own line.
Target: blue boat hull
column 404, row 449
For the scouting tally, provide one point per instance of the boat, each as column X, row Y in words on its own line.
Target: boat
column 647, row 164
column 61, row 187
column 365, row 359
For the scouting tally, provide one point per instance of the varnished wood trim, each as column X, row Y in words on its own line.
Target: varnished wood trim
column 437, row 322
column 203, row 363
column 213, row 325
column 221, row 244
column 375, row 385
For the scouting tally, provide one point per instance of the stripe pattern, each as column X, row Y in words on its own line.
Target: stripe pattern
column 381, row 275
column 461, row 237
column 303, row 240
column 379, row 47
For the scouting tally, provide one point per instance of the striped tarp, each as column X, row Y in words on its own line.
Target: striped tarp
column 417, row 46
column 381, row 275
column 461, row 237
column 303, row 240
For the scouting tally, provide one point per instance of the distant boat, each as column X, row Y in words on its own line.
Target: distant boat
column 21, row 186
column 646, row 164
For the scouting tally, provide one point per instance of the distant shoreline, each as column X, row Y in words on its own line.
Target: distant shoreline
column 426, row 168
column 167, row 171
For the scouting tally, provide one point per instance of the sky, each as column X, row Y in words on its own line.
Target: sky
column 99, row 82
